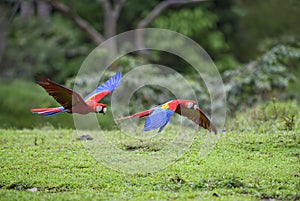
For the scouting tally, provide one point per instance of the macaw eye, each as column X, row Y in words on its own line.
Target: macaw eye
column 98, row 108
column 190, row 105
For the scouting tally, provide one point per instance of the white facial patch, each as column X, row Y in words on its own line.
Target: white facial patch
column 104, row 110
column 99, row 108
column 190, row 105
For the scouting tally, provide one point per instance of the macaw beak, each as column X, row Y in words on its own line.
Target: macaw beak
column 104, row 110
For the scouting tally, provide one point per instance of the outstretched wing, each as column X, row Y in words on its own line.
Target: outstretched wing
column 64, row 96
column 48, row 111
column 145, row 113
column 105, row 88
column 197, row 116
column 158, row 119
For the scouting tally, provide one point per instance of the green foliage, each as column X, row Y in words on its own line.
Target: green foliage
column 242, row 166
column 50, row 48
column 278, row 115
column 258, row 21
column 91, row 11
column 293, row 65
column 262, row 79
column 200, row 24
column 227, row 30
column 185, row 15
column 133, row 11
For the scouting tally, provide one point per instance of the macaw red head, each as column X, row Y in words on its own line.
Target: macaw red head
column 100, row 108
column 190, row 104
column 172, row 105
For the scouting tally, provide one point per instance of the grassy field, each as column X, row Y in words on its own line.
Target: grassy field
column 249, row 164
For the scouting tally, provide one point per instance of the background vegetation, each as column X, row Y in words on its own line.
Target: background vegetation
column 255, row 45
column 256, row 53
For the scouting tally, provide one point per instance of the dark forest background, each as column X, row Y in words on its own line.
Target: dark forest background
column 255, row 45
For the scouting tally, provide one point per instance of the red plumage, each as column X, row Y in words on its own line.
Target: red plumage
column 72, row 102
column 187, row 108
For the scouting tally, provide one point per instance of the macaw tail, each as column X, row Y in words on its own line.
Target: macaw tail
column 48, row 111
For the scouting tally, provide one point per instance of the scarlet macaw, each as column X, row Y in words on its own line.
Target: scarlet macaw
column 72, row 102
column 159, row 116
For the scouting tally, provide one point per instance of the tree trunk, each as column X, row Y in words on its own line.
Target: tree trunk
column 44, row 9
column 110, row 26
column 91, row 33
column 111, row 15
column 110, row 23
column 5, row 20
column 26, row 9
column 3, row 33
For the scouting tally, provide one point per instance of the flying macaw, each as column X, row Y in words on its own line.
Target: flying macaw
column 159, row 116
column 72, row 102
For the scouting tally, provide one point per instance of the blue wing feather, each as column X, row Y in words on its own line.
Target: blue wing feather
column 110, row 85
column 169, row 114
column 158, row 119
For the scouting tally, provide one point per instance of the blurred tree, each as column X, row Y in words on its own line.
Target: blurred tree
column 112, row 11
column 191, row 20
column 260, row 20
column 84, row 25
column 262, row 25
column 212, row 24
column 7, row 13
column 50, row 48
column 27, row 9
column 231, row 31
column 200, row 24
column 44, row 9
column 264, row 78
column 157, row 10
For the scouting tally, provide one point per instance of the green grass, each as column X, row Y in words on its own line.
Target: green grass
column 256, row 159
column 243, row 165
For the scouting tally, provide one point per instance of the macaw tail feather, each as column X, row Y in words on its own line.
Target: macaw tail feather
column 48, row 111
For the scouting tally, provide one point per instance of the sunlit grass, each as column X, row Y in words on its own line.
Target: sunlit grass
column 243, row 165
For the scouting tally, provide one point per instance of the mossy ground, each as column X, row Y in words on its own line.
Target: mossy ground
column 262, row 163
